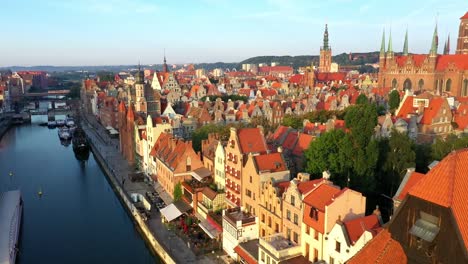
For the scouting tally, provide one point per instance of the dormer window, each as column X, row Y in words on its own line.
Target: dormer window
column 425, row 228
column 314, row 213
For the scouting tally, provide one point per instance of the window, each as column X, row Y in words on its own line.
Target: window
column 269, row 221
column 296, row 237
column 263, row 218
column 426, row 227
column 465, row 88
column 316, row 234
column 277, row 228
column 314, row 213
column 296, row 219
column 293, row 200
column 307, row 230
column 337, row 246
column 288, row 215
column 448, row 85
column 250, row 179
column 262, row 256
column 288, row 233
column 332, row 261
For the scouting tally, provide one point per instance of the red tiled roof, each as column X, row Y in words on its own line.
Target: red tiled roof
column 282, row 186
column 122, row 107
column 431, row 111
column 272, row 162
column 305, row 187
column 290, row 140
column 418, row 59
column 280, row 131
column 446, row 185
column 414, row 178
column 322, row 196
column 245, row 255
column 251, row 140
column 382, row 249
column 406, row 108
column 356, row 227
column 330, row 76
column 275, row 69
column 240, row 74
column 460, row 61
column 296, row 78
column 276, row 85
column 465, row 16
column 461, row 116
column 302, row 144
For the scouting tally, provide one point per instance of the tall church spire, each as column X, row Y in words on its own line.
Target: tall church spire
column 435, row 43
column 165, row 64
column 382, row 47
column 390, row 48
column 448, row 44
column 405, row 45
column 325, row 38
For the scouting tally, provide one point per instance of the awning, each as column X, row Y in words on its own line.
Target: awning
column 201, row 173
column 182, row 206
column 109, row 127
column 170, row 212
column 209, row 229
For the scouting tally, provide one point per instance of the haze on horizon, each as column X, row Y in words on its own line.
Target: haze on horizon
column 121, row 32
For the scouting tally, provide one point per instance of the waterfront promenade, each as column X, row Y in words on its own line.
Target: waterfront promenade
column 108, row 149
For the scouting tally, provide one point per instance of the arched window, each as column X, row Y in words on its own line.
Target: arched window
column 407, row 84
column 421, row 84
column 448, row 85
column 465, row 87
column 394, row 84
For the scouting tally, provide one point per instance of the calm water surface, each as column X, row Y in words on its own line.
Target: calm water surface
column 78, row 219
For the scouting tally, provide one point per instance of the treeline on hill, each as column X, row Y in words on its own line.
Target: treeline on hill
column 343, row 59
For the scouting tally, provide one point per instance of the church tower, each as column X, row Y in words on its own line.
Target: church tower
column 462, row 43
column 140, row 101
column 165, row 64
column 325, row 53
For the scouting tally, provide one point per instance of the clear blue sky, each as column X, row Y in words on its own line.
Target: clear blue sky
column 103, row 32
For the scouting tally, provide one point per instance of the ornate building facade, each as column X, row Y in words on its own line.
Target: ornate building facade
column 440, row 74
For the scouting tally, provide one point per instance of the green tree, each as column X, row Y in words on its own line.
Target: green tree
column 442, row 147
column 400, row 157
column 328, row 152
column 293, row 121
column 394, row 100
column 177, row 192
column 362, row 99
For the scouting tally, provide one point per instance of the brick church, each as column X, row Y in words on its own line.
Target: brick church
column 441, row 74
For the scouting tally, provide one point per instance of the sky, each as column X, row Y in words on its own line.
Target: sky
column 117, row 32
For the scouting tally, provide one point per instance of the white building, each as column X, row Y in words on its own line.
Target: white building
column 277, row 249
column 218, row 73
column 347, row 238
column 153, row 129
column 220, row 156
column 238, row 227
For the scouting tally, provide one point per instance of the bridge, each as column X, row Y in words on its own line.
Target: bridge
column 52, row 94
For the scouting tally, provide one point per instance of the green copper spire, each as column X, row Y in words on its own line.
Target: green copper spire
column 390, row 49
column 325, row 38
column 435, row 43
column 382, row 47
column 405, row 46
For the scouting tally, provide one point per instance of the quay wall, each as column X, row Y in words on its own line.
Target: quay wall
column 138, row 220
column 4, row 126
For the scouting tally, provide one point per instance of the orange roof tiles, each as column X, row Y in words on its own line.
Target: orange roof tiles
column 431, row 111
column 302, row 144
column 459, row 60
column 382, row 249
column 446, row 185
column 272, row 162
column 322, row 196
column 406, row 108
column 307, row 186
column 290, row 140
column 275, row 69
column 461, row 116
column 414, row 178
column 418, row 59
column 356, row 227
column 251, row 140
column 465, row 16
column 296, row 78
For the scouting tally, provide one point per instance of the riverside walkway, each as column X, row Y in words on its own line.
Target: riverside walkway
column 108, row 149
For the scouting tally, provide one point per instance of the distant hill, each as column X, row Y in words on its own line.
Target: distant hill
column 344, row 59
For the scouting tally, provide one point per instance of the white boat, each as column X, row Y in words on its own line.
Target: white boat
column 64, row 133
column 70, row 123
column 51, row 124
column 60, row 122
column 11, row 209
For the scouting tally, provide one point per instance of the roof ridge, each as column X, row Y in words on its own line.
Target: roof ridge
column 452, row 178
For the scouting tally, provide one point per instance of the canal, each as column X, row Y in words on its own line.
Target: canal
column 78, row 218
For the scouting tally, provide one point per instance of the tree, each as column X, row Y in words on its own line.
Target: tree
column 400, row 157
column 328, row 152
column 293, row 121
column 394, row 100
column 442, row 147
column 177, row 192
column 362, row 99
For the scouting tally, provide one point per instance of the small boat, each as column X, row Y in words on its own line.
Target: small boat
column 60, row 122
column 51, row 124
column 17, row 119
column 70, row 122
column 11, row 210
column 64, row 133
column 80, row 144
column 44, row 124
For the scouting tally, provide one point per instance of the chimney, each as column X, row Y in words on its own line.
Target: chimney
column 303, row 176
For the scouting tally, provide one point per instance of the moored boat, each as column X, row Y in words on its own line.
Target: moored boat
column 80, row 144
column 60, row 122
column 64, row 133
column 11, row 209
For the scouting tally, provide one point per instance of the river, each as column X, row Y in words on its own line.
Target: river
column 78, row 218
